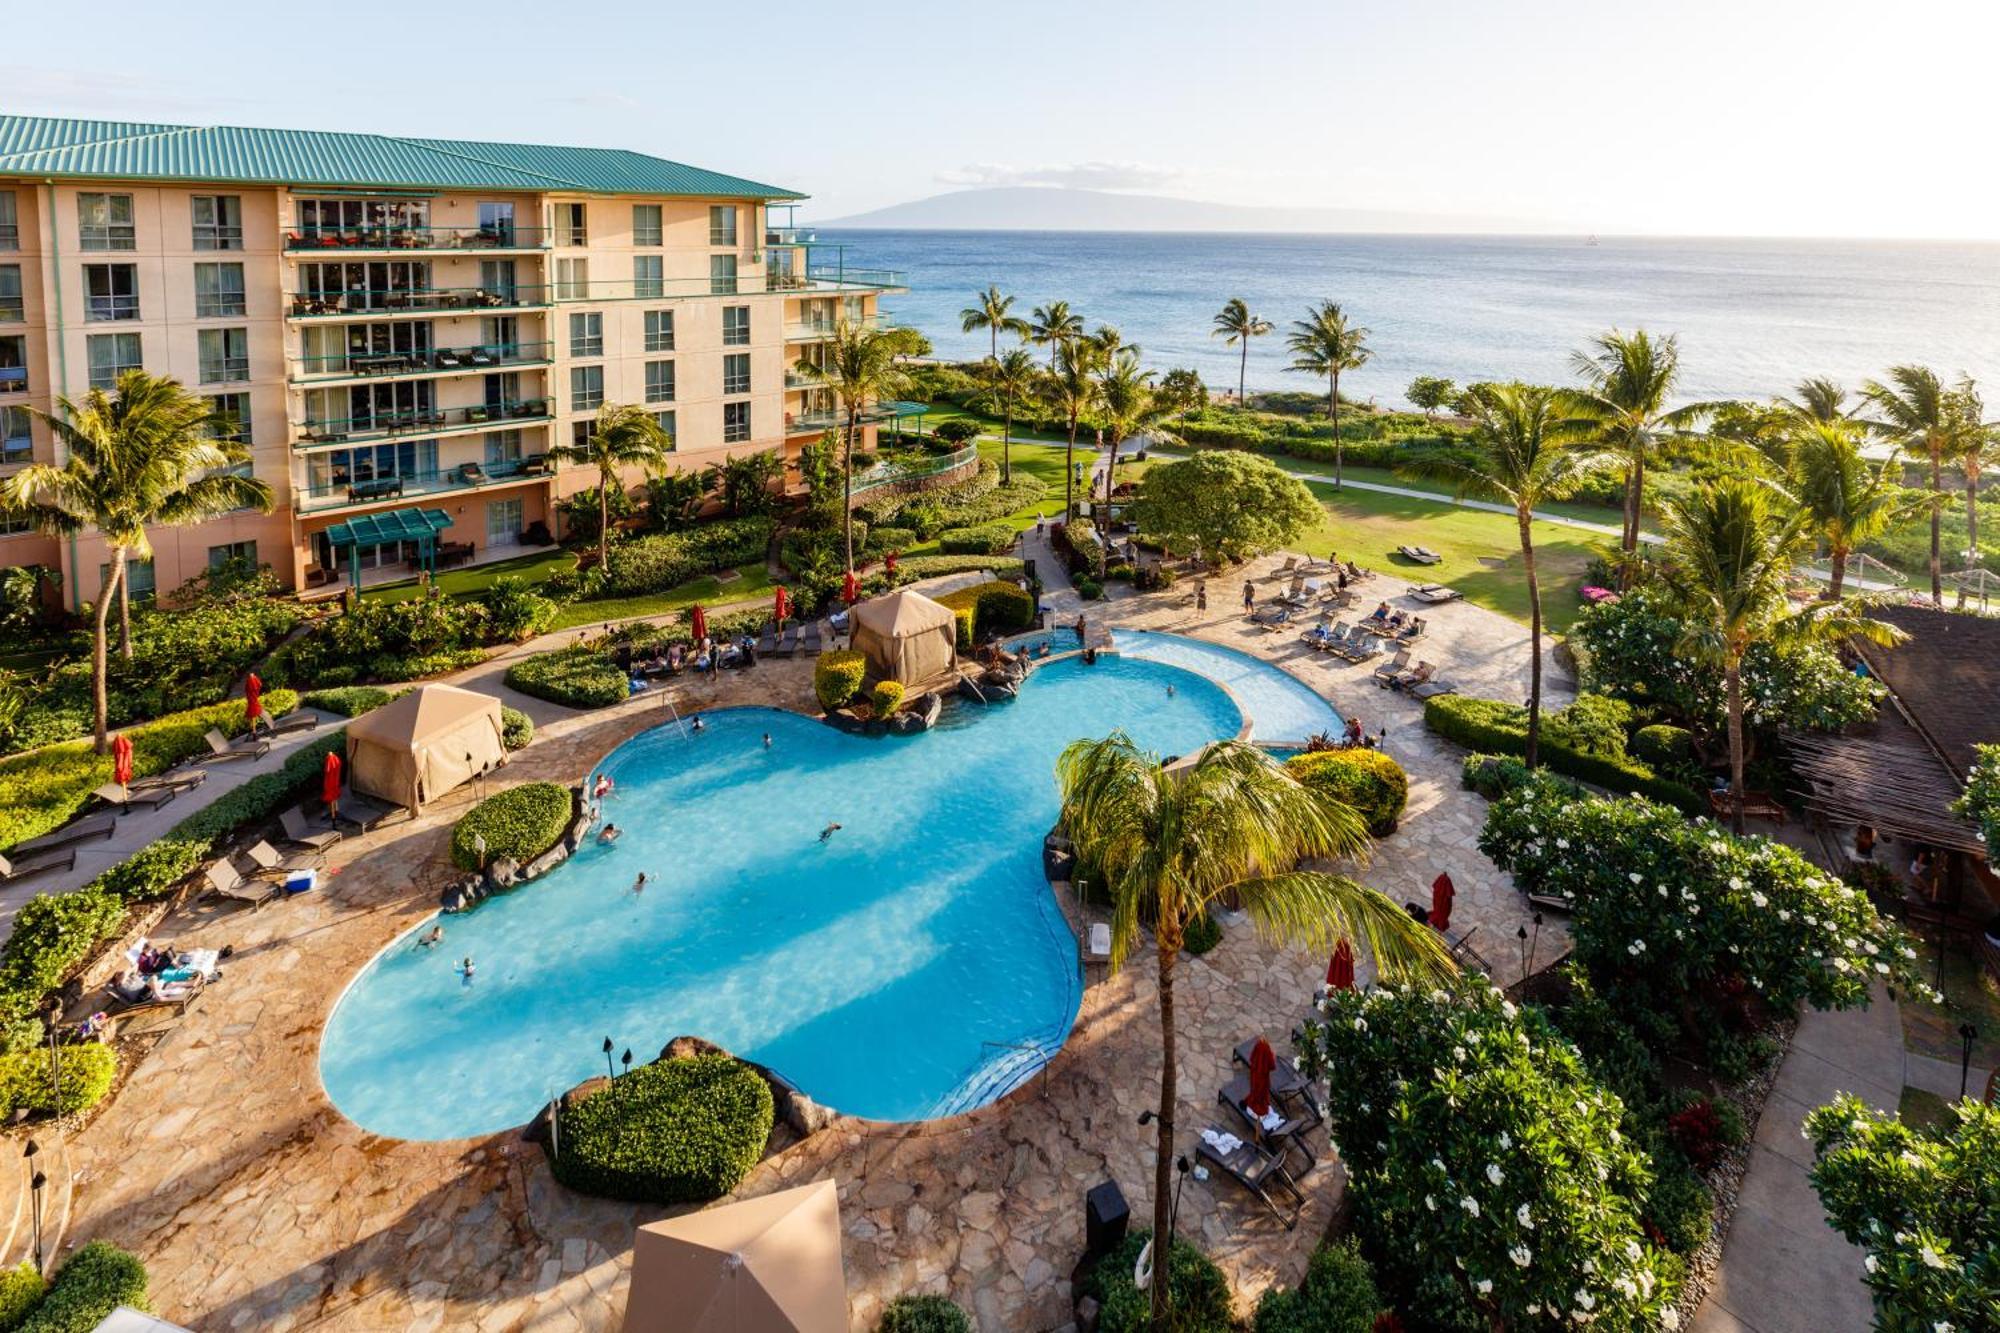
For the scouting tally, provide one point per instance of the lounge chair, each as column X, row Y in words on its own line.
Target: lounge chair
column 365, row 812
column 1271, row 617
column 1356, row 574
column 55, row 858
column 122, row 1005
column 1252, row 1168
column 1756, row 805
column 767, row 642
column 1280, row 1133
column 1387, row 673
column 1415, row 678
column 1289, row 1087
column 1462, row 950
column 1432, row 689
column 299, row 831
column 1412, row 632
column 1435, row 593
column 1362, row 648
column 1423, row 555
column 224, row 879
column 1291, row 563
column 299, row 720
column 124, row 798
column 83, row 830
column 789, row 644
column 1097, row 945
column 176, row 779
column 810, row 645
column 221, row 748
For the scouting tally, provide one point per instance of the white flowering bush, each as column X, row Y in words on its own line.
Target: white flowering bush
column 1480, row 1148
column 1925, row 1208
column 1980, row 801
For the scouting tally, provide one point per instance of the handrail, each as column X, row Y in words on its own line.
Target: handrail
column 320, row 237
column 458, row 477
column 372, row 301
column 414, row 421
column 419, row 361
column 909, row 472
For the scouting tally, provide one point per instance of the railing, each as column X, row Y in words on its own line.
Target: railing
column 844, row 276
column 487, row 356
column 384, row 425
column 337, row 305
column 97, row 309
column 13, row 309
column 462, row 477
column 890, row 474
column 321, row 238
column 13, row 379
column 688, row 289
column 790, row 235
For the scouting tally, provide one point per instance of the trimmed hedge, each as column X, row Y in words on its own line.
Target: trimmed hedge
column 676, row 1131
column 919, row 1314
column 989, row 610
column 1490, row 726
column 517, row 729
column 837, row 677
column 669, row 559
column 931, row 566
column 1338, row 1295
column 886, row 698
column 87, row 1074
column 96, row 1280
column 350, row 700
column 576, row 677
column 1200, row 1293
column 21, row 1289
column 1370, row 782
column 521, row 822
column 1494, row 775
column 985, row 539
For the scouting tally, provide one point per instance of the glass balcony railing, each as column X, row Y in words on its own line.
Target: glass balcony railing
column 426, row 361
column 387, row 425
column 13, row 379
column 346, row 304
column 13, row 309
column 742, row 284
column 846, row 276
column 322, row 238
column 790, row 236
column 892, row 473
column 798, row 423
column 343, row 491
column 811, row 330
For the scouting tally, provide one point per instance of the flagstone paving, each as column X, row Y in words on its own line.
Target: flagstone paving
column 257, row 1206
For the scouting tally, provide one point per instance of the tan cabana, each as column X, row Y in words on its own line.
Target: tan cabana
column 906, row 636
column 424, row 744
column 764, row 1265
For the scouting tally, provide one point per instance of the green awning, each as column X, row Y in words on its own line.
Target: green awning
column 397, row 525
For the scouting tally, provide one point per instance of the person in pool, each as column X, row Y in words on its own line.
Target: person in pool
column 432, row 938
column 828, row 832
column 609, row 833
column 699, row 725
column 603, row 788
column 465, row 969
column 639, row 884
column 767, row 740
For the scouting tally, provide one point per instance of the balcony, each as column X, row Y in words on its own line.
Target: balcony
column 812, row 330
column 318, row 240
column 13, row 379
column 345, row 494
column 806, row 423
column 422, row 364
column 416, row 301
column 891, row 474
column 334, row 432
column 742, row 284
column 841, row 277
column 790, row 236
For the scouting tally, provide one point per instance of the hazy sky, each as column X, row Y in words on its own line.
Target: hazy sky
column 1735, row 117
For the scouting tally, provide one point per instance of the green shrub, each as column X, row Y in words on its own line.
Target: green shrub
column 515, row 612
column 517, row 729
column 988, row 610
column 1679, row 1205
column 919, row 1314
column 886, row 698
column 93, row 1282
column 1494, row 775
column 1490, row 726
column 87, row 1074
column 891, row 539
column 392, row 641
column 521, row 822
column 931, row 566
column 677, row 1131
column 1664, row 747
column 1201, row 934
column 576, row 677
column 985, row 539
column 837, row 677
column 1337, row 1296
column 666, row 560
column 1198, row 1290
column 349, row 700
column 1594, row 725
column 1089, row 589
column 21, row 1289
column 1368, row 781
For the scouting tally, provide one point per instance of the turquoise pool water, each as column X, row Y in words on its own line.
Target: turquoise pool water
column 1280, row 707
column 912, row 965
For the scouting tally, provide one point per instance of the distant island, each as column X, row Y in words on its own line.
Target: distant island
column 1033, row 208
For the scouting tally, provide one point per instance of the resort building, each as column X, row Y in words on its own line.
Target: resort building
column 399, row 329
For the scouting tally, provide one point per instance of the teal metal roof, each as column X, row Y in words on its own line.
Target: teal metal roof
column 120, row 150
column 397, row 525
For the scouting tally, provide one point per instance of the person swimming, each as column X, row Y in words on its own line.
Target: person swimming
column 465, row 969
column 603, row 788
column 828, row 832
column 1170, row 691
column 767, row 740
column 433, row 937
column 698, row 725
column 639, row 884
column 609, row 833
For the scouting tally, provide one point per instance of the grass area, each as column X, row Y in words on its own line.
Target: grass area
column 752, row 582
column 478, row 578
column 1923, row 1110
column 1968, row 998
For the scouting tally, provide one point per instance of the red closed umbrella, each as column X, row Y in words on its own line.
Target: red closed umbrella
column 698, row 621
column 1262, row 1061
column 1340, row 968
column 253, row 699
column 329, row 786
column 1442, row 894
column 781, row 605
column 850, row 589
column 121, row 759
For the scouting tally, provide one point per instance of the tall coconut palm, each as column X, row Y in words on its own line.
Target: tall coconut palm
column 1054, row 326
column 1817, row 398
column 859, row 364
column 1236, row 326
column 1932, row 421
column 1111, row 344
column 1325, row 344
column 1011, row 379
column 1847, row 499
column 1129, row 406
column 991, row 314
column 623, row 435
column 1070, row 387
column 1526, row 452
column 147, row 455
column 1628, row 380
column 1730, row 547
column 1168, row 845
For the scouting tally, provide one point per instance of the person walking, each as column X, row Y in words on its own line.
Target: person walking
column 1249, row 597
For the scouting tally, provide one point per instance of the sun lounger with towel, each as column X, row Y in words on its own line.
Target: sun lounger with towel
column 1412, row 679
column 1252, row 1168
column 1423, row 555
column 220, row 748
column 1289, row 1088
column 1278, row 1132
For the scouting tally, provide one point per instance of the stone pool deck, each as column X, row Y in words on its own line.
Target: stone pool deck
column 257, row 1206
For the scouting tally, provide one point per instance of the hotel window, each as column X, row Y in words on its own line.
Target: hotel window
column 572, row 279
column 659, row 381
column 736, row 326
column 111, row 355
column 10, row 221
column 224, row 355
column 666, row 423
column 659, row 330
column 242, row 553
column 360, row 408
column 503, row 448
column 570, row 229
column 722, row 224
column 496, row 223
column 586, row 388
column 110, row 291
column 586, row 334
column 372, row 223
column 218, row 291
column 646, row 225
column 12, row 305
column 104, row 222
column 14, row 527
column 138, row 579
column 14, row 364
column 381, row 285
column 500, row 335
column 649, row 276
column 722, row 275
column 736, row 373
column 497, row 276
column 735, row 423
column 232, row 412
column 17, row 441
column 218, row 222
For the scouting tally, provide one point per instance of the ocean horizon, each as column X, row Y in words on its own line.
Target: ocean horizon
column 1754, row 315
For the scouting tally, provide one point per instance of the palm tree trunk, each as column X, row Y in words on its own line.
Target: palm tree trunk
column 1635, row 502
column 1733, row 679
column 99, row 649
column 1837, row 572
column 1937, row 529
column 847, row 486
column 1163, row 1152
column 604, row 519
column 1243, row 373
column 1522, row 513
column 1007, row 447
column 1069, row 473
column 1333, row 411
column 1104, row 536
column 1971, row 516
column 125, row 618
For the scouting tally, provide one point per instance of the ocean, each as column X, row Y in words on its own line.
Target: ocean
column 1754, row 316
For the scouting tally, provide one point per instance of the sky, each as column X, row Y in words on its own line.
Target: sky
column 1674, row 117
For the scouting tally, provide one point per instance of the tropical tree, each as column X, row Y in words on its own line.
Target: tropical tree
column 623, row 435
column 1110, row 344
column 1167, row 845
column 1228, row 504
column 1934, row 422
column 991, row 314
column 1325, row 344
column 1236, row 326
column 149, row 454
column 1070, row 387
column 1054, row 326
column 1730, row 547
column 1183, row 388
column 1129, row 406
column 1848, row 500
column 1430, row 392
column 1011, row 380
column 1525, row 453
column 1817, row 398
column 859, row 364
column 1627, row 382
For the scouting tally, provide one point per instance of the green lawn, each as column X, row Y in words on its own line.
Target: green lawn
column 477, row 579
column 752, row 582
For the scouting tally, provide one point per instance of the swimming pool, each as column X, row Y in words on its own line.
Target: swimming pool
column 1280, row 707
column 912, row 965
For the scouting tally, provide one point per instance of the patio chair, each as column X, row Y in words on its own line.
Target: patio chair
column 1412, row 679
column 1280, row 1133
column 178, row 779
column 298, row 720
column 811, row 645
column 1387, row 673
column 224, row 879
column 1288, row 1086
column 1291, row 563
column 789, row 644
column 298, row 830
column 1435, row 593
column 268, row 860
column 1252, row 1168
column 1432, row 689
column 1462, row 950
column 1097, row 945
column 125, row 798
column 1422, row 555
column 1364, row 648
column 56, row 858
column 83, row 830
column 220, row 748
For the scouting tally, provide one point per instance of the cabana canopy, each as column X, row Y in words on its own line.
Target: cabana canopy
column 421, row 526
column 906, row 636
column 764, row 1265
column 424, row 744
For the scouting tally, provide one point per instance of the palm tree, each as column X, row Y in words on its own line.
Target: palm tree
column 148, row 454
column 1628, row 379
column 1111, row 344
column 1130, row 406
column 1053, row 326
column 1236, row 326
column 1817, row 398
column 1009, row 380
column 1730, row 548
column 1848, row 500
column 1526, row 453
column 1167, row 845
column 1325, row 344
column 1916, row 410
column 991, row 314
column 623, row 435
column 859, row 364
column 1072, row 390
